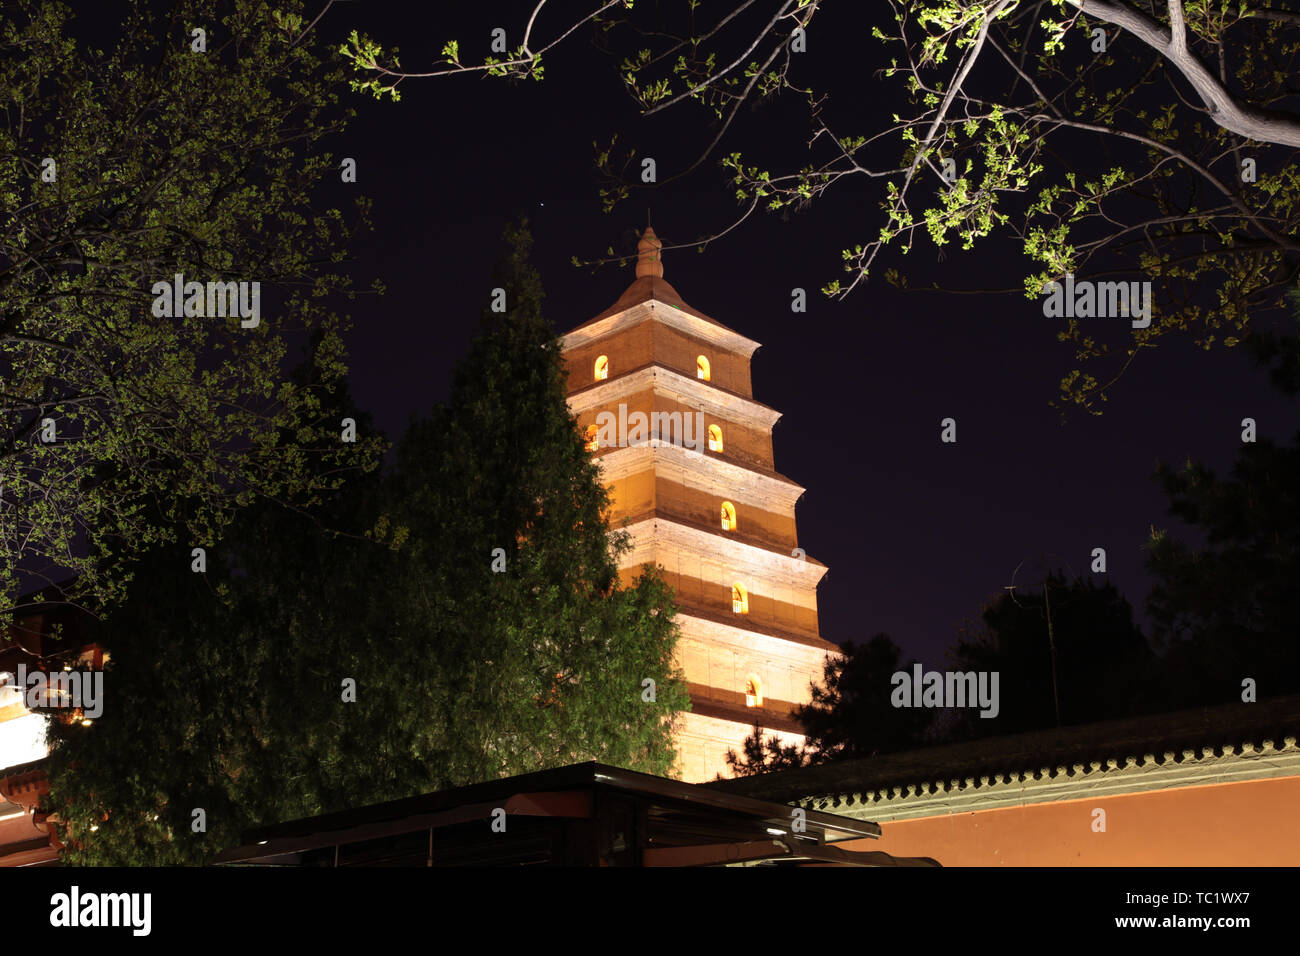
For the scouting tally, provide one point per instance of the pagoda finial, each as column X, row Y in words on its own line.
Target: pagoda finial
column 649, row 262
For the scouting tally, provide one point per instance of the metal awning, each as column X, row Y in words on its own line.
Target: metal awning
column 584, row 814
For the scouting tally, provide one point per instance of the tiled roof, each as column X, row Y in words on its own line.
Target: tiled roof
column 649, row 288
column 1204, row 745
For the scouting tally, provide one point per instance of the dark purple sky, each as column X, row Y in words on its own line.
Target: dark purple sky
column 917, row 534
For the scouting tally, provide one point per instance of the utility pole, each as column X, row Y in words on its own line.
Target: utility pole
column 1051, row 632
column 1051, row 642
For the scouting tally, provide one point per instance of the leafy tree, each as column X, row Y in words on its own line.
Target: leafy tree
column 462, row 673
column 222, row 688
column 1101, row 136
column 1100, row 669
column 193, row 147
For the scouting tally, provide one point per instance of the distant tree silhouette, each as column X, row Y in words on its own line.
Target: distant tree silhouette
column 852, row 715
column 1103, row 663
column 1228, row 611
column 759, row 755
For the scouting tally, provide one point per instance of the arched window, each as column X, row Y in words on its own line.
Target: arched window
column 593, row 442
column 602, row 368
column 702, row 368
column 753, row 691
column 715, row 438
column 728, row 516
column 739, row 599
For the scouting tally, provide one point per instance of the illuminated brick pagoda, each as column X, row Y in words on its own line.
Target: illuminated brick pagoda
column 704, row 503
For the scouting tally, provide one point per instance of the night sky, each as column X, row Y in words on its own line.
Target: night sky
column 917, row 534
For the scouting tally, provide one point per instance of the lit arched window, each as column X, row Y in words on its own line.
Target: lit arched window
column 602, row 368
column 753, row 691
column 728, row 516
column 702, row 368
column 715, row 438
column 739, row 599
column 593, row 442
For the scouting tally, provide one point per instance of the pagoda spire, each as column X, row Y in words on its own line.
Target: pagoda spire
column 649, row 262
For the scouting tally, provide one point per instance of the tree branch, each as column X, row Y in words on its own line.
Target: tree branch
column 1264, row 126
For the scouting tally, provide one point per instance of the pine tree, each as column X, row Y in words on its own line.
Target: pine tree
column 760, row 755
column 545, row 654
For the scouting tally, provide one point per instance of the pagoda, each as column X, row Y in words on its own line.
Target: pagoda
column 698, row 492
